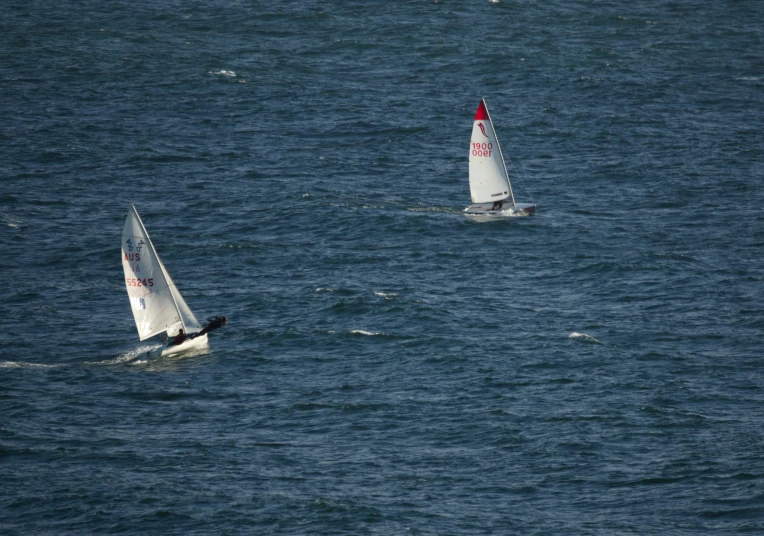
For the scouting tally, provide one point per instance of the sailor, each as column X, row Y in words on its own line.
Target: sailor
column 179, row 338
column 497, row 205
column 214, row 324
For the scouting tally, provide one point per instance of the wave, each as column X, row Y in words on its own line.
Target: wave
column 226, row 75
column 362, row 332
column 10, row 222
column 583, row 337
column 223, row 72
column 367, row 333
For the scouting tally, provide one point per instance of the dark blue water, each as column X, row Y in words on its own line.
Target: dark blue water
column 389, row 367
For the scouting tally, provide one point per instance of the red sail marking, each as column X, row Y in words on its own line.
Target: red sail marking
column 482, row 129
column 482, row 113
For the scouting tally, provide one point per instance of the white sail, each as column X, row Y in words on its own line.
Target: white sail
column 489, row 181
column 189, row 320
column 156, row 303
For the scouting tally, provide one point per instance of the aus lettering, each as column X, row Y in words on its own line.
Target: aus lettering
column 132, row 257
column 138, row 282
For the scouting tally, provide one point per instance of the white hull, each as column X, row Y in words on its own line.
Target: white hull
column 189, row 344
column 485, row 209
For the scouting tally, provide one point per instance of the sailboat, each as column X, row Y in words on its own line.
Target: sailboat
column 156, row 302
column 489, row 181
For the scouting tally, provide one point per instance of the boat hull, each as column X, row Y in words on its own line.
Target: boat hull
column 484, row 209
column 189, row 344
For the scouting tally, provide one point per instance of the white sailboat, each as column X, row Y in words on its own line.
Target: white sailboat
column 156, row 302
column 489, row 181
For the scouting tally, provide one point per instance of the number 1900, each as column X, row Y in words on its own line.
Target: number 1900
column 482, row 149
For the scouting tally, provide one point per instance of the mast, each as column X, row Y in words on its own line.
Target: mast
column 498, row 145
column 161, row 267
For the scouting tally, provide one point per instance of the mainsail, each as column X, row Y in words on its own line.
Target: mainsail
column 489, row 181
column 156, row 303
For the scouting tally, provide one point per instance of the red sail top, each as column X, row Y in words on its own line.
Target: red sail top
column 482, row 113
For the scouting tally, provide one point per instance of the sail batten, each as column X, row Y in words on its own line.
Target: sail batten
column 155, row 301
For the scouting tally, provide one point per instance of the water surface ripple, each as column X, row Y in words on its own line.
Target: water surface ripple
column 389, row 367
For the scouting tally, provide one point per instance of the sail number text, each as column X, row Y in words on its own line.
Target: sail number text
column 138, row 282
column 482, row 149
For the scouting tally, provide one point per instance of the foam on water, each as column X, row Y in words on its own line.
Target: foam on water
column 11, row 222
column 364, row 332
column 22, row 364
column 133, row 356
column 583, row 337
column 448, row 210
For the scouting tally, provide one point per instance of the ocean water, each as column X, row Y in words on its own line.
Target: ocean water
column 389, row 366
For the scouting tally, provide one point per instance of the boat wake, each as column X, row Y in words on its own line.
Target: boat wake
column 508, row 213
column 23, row 364
column 447, row 210
column 137, row 356
column 133, row 357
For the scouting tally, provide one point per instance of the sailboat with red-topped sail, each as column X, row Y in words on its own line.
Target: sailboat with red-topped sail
column 489, row 181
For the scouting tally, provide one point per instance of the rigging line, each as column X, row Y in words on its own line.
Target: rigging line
column 518, row 174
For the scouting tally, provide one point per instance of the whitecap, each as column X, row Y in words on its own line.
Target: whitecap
column 11, row 222
column 583, row 337
column 223, row 72
column 364, row 332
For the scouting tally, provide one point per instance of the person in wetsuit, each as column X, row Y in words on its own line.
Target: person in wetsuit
column 213, row 324
column 179, row 338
